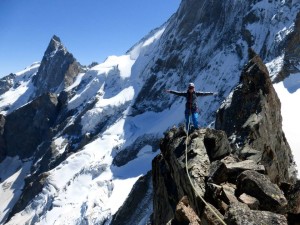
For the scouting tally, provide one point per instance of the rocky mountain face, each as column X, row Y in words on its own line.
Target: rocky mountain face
column 83, row 136
column 237, row 178
column 25, row 128
column 40, row 115
column 57, row 71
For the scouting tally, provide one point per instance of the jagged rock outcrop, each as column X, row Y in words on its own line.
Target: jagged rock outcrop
column 241, row 185
column 57, row 71
column 171, row 184
column 241, row 214
column 184, row 213
column 251, row 118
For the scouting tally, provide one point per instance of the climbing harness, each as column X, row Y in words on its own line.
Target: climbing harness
column 187, row 172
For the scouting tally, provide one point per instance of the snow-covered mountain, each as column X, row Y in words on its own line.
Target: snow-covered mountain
column 73, row 155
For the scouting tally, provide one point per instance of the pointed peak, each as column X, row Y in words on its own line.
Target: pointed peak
column 54, row 45
column 55, row 41
column 56, row 38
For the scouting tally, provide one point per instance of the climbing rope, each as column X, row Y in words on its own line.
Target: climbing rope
column 187, row 172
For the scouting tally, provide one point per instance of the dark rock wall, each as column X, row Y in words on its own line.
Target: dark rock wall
column 27, row 126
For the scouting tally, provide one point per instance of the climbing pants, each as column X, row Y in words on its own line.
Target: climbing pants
column 191, row 118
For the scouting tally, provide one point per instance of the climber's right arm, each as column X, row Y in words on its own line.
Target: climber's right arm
column 179, row 93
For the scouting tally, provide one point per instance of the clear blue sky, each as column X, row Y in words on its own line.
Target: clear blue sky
column 90, row 29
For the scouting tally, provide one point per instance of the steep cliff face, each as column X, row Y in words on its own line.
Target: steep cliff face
column 235, row 175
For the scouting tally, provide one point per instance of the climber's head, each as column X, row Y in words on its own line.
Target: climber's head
column 191, row 87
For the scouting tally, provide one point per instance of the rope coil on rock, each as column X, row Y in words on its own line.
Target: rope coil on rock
column 187, row 172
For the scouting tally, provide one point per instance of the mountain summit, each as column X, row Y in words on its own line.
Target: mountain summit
column 57, row 71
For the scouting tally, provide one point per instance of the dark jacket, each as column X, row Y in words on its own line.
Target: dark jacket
column 191, row 105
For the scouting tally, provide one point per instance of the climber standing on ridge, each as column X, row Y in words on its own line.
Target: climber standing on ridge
column 191, row 106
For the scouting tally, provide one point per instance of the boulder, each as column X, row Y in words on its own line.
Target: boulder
column 258, row 185
column 170, row 176
column 209, row 218
column 250, row 201
column 229, row 168
column 228, row 193
column 185, row 214
column 216, row 143
column 241, row 214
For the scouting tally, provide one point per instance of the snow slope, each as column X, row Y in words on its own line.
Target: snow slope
column 13, row 172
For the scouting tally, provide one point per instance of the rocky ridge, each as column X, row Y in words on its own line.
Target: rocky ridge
column 231, row 174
